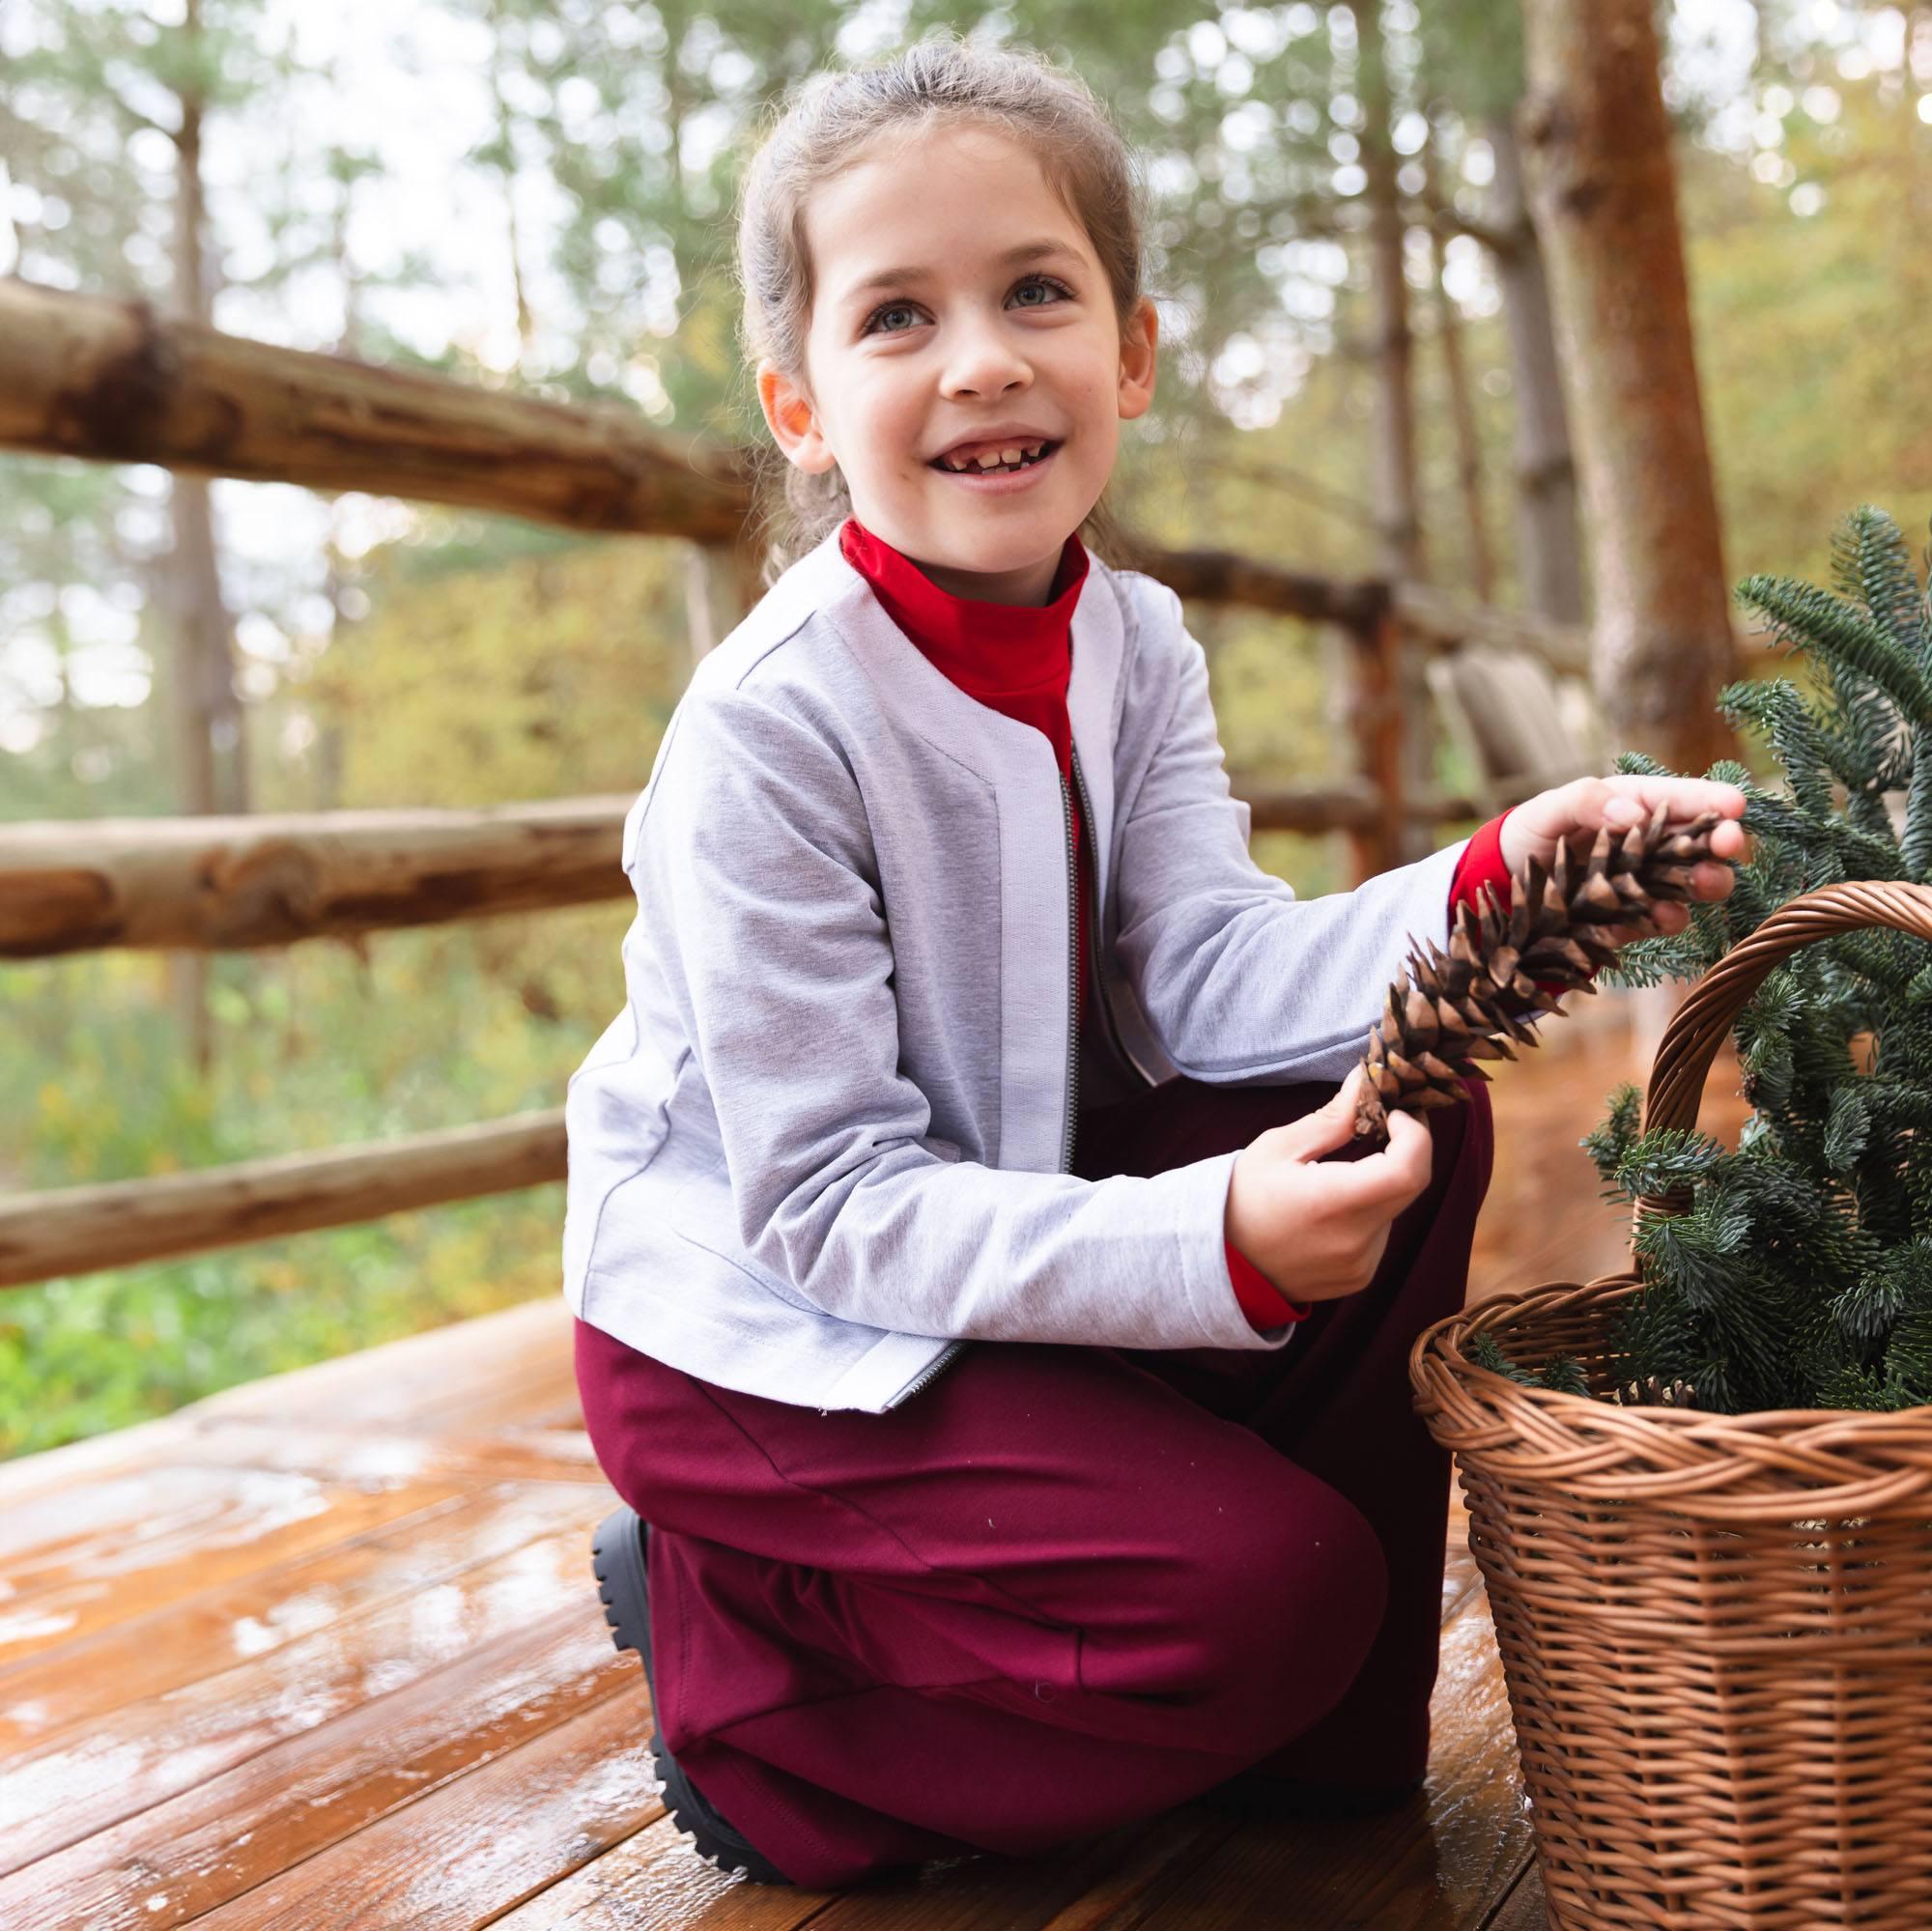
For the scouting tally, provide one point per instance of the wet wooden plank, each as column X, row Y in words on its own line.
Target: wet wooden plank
column 1524, row 1910
column 407, row 1381
column 362, row 1455
column 1442, row 1862
column 89, row 1778
column 652, row 1882
column 480, row 1845
column 83, row 1682
column 81, row 1559
column 27, row 1478
column 225, row 1837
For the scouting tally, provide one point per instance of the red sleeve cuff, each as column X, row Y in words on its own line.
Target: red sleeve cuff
column 1262, row 1301
column 1481, row 864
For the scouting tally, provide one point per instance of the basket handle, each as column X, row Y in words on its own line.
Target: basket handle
column 1702, row 1023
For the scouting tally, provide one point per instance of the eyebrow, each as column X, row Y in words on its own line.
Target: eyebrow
column 1027, row 251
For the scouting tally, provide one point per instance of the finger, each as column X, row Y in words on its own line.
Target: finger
column 1712, row 882
column 1391, row 1178
column 1329, row 1126
column 1632, row 798
column 1729, row 840
column 1411, row 1151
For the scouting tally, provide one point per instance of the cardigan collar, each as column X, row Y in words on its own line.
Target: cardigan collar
column 986, row 648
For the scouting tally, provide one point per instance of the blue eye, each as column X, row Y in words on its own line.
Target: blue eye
column 891, row 308
column 1042, row 285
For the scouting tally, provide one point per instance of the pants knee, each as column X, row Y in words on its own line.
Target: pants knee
column 1280, row 1633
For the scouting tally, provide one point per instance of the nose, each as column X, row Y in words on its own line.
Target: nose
column 984, row 360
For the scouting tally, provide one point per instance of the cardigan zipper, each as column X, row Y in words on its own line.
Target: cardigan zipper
column 1073, row 985
column 941, row 1362
column 1097, row 980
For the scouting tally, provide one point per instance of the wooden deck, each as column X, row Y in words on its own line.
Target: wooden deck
column 323, row 1651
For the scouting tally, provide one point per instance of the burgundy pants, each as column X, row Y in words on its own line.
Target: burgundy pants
column 1062, row 1588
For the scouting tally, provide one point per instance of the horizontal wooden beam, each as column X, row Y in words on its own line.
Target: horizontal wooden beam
column 230, row 883
column 1346, row 805
column 88, row 375
column 237, row 884
column 44, row 1236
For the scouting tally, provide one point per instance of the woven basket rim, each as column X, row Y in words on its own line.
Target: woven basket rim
column 1453, row 1329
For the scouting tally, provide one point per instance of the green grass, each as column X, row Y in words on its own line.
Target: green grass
column 315, row 1048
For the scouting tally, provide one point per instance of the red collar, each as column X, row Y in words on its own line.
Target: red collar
column 984, row 648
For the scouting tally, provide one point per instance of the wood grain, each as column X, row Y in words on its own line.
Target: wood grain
column 86, row 1779
column 85, row 1681
column 79, row 1561
column 227, row 1835
column 478, row 1846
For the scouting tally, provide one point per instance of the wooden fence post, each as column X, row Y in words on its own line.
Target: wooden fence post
column 720, row 589
column 1377, row 714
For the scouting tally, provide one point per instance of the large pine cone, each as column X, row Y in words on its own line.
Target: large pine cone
column 1453, row 1008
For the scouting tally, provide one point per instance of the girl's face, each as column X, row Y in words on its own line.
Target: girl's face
column 959, row 311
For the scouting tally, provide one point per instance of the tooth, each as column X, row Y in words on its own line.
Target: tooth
column 990, row 460
column 1033, row 448
column 1011, row 454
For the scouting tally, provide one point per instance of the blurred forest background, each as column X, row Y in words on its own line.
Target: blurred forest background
column 537, row 198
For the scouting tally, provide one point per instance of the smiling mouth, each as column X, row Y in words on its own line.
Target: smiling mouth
column 995, row 462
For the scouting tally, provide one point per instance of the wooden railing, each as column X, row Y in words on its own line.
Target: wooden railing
column 111, row 381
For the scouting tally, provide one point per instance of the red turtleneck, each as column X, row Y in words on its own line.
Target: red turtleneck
column 1016, row 658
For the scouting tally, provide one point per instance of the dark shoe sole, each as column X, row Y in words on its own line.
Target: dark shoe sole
column 618, row 1561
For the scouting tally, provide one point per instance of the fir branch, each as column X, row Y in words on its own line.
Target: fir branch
column 1846, row 1131
column 1776, row 708
column 1914, row 848
column 1842, row 636
column 1665, row 1159
column 1563, row 1376
column 1871, row 564
column 1608, row 1144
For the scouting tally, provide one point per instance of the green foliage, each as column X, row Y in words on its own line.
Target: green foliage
column 1562, row 1375
column 1797, row 1272
column 314, row 1047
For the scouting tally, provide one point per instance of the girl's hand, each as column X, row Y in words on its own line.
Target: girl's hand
column 1318, row 1231
column 1585, row 805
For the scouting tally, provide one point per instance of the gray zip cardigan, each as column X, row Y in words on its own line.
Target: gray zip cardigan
column 824, row 1145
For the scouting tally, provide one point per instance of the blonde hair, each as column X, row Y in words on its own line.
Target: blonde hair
column 1049, row 111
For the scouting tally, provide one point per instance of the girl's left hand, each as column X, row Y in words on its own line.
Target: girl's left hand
column 1585, row 805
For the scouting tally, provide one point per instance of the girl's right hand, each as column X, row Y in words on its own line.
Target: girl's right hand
column 1318, row 1232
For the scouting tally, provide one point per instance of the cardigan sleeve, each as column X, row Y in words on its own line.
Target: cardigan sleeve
column 1241, row 982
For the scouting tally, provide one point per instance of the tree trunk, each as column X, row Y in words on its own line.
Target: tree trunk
column 208, row 730
column 1463, row 421
column 1599, row 141
column 1550, row 549
column 1396, row 494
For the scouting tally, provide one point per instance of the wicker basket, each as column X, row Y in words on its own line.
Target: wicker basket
column 1717, row 1631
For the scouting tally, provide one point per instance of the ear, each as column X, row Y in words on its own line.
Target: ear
column 792, row 420
column 1137, row 359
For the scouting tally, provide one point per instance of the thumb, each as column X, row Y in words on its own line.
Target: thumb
column 1329, row 1126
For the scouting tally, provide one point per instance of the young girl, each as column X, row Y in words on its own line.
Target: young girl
column 1016, row 1400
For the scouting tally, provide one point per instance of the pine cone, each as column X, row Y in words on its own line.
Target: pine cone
column 1450, row 1010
